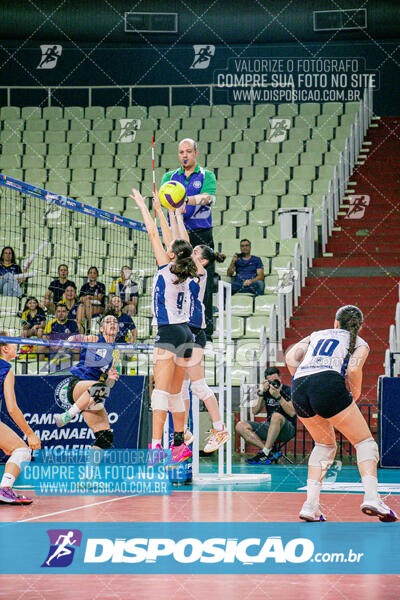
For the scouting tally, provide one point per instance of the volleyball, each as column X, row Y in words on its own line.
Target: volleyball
column 172, row 194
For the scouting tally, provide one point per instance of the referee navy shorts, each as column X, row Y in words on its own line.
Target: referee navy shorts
column 324, row 394
column 200, row 338
column 176, row 338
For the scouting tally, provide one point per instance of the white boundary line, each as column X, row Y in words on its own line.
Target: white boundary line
column 60, row 512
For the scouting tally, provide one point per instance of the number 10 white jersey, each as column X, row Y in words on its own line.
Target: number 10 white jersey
column 170, row 301
column 327, row 351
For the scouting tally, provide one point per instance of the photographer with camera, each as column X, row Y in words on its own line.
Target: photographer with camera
column 249, row 277
column 280, row 423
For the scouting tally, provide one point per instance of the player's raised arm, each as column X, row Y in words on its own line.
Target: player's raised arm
column 166, row 231
column 160, row 254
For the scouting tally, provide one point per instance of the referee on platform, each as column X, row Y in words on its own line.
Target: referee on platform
column 200, row 187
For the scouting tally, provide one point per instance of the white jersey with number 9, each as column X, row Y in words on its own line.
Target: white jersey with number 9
column 170, row 301
column 327, row 351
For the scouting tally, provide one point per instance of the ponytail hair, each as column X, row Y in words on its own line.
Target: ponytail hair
column 350, row 318
column 210, row 255
column 184, row 266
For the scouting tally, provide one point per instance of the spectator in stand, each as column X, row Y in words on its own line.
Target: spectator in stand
column 10, row 283
column 33, row 319
column 127, row 290
column 248, row 271
column 91, row 298
column 61, row 327
column 70, row 299
column 56, row 289
column 201, row 187
column 127, row 328
column 280, row 423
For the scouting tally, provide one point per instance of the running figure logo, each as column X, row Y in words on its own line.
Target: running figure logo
column 279, row 130
column 62, row 547
column 357, row 206
column 129, row 128
column 202, row 56
column 50, row 56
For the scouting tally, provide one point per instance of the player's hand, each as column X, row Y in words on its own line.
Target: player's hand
column 181, row 209
column 137, row 197
column 234, row 259
column 275, row 392
column 247, row 282
column 34, row 442
column 113, row 374
column 156, row 201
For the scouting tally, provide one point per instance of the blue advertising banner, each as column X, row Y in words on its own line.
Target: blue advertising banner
column 389, row 422
column 39, row 397
column 200, row 548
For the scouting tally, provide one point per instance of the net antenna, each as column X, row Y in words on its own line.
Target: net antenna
column 154, row 172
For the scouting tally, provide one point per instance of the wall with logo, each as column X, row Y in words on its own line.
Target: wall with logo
column 314, row 72
column 40, row 397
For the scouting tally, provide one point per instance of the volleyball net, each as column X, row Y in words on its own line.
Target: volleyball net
column 46, row 230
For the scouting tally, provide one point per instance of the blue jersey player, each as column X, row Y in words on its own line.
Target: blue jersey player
column 10, row 442
column 92, row 378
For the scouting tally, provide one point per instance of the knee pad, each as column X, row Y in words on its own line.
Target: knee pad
column 185, row 389
column 103, row 439
column 19, row 456
column 176, row 403
column 322, row 456
column 159, row 400
column 367, row 450
column 201, row 389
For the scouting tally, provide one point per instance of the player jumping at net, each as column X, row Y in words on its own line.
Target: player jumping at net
column 91, row 382
column 202, row 256
column 10, row 442
column 319, row 364
column 174, row 341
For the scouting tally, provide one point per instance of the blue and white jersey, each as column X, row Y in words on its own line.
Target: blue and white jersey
column 170, row 301
column 327, row 351
column 94, row 363
column 4, row 370
column 197, row 288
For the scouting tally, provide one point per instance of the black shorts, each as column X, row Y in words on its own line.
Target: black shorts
column 287, row 432
column 199, row 336
column 324, row 394
column 175, row 338
column 71, row 386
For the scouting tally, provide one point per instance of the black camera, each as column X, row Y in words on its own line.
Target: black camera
column 240, row 254
column 275, row 383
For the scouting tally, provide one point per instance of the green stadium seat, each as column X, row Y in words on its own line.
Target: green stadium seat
column 115, row 112
column 221, row 110
column 325, row 133
column 292, row 200
column 32, row 161
column 9, row 137
column 9, row 161
column 338, row 145
column 14, row 125
column 239, row 123
column 277, row 172
column 73, row 112
column 15, row 173
column 311, row 158
column 243, row 110
column 254, row 173
column 275, row 186
column 240, row 160
column 300, row 187
column 35, row 176
column 237, row 327
column 265, row 110
column 347, row 120
column 102, row 125
column 328, row 120
column 57, row 187
column 82, row 148
column 251, row 232
column 200, row 110
column 264, row 160
column 74, row 137
column 254, row 135
column 104, row 148
column 304, row 121
column 242, row 305
column 36, row 137
column 261, row 247
column 107, row 174
column 11, row 148
column 266, row 202
column 299, row 133
column 332, row 108
column 80, row 124
column 136, row 112
column 59, row 174
column 244, row 147
column 231, row 135
column 124, row 161
column 235, row 216
column 317, row 144
column 31, row 112
column 97, row 137
column 254, row 325
column 169, row 162
column 209, row 135
column 102, row 160
column 310, row 108
column 79, row 162
column 352, row 108
column 180, row 111
column 10, row 112
column 287, row 110
column 287, row 247
column 220, row 148
column 260, row 216
column 34, row 150
column 271, row 284
column 320, row 186
column 263, row 304
column 325, row 172
column 113, row 204
column 194, row 123
column 217, row 123
column 35, row 125
column 82, row 174
column 304, row 172
column 105, row 188
column 50, row 137
column 58, row 125
column 125, row 188
column 94, row 112
column 228, row 173
column 158, row 112
column 244, row 352
column 250, row 187
column 80, row 188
